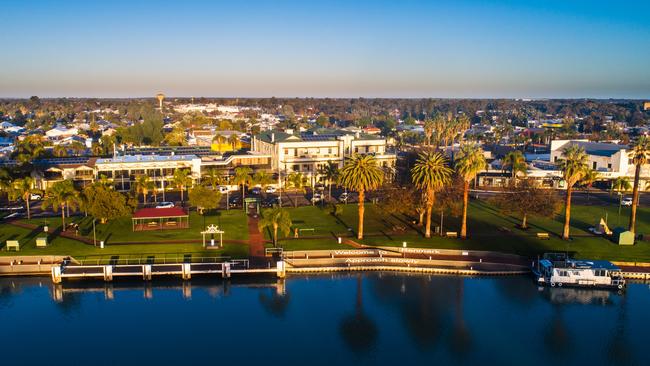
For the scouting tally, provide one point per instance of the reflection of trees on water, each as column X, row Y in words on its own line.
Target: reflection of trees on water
column 517, row 290
column 357, row 330
column 430, row 307
column 461, row 340
column 618, row 351
column 274, row 302
column 556, row 336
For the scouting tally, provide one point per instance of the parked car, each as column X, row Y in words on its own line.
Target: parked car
column 223, row 189
column 344, row 196
column 256, row 190
column 270, row 189
column 35, row 196
column 165, row 205
column 317, row 197
column 627, row 201
column 270, row 202
column 235, row 202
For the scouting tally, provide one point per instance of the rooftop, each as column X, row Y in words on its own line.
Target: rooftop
column 146, row 158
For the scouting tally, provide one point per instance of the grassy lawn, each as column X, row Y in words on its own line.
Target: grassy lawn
column 488, row 228
column 233, row 222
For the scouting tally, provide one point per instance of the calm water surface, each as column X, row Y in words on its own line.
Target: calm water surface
column 342, row 319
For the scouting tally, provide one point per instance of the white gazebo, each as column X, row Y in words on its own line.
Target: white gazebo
column 211, row 230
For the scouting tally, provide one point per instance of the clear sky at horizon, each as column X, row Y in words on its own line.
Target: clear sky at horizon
column 455, row 48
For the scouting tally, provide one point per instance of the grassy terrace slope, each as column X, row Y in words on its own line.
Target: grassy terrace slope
column 489, row 229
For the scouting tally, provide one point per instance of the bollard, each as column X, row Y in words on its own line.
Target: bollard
column 146, row 272
column 101, row 244
column 56, row 274
column 340, row 239
column 108, row 273
column 225, row 270
column 281, row 270
column 186, row 271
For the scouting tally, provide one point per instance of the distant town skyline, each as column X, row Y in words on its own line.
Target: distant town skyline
column 442, row 49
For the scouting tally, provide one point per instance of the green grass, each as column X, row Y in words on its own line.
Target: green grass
column 484, row 226
column 233, row 222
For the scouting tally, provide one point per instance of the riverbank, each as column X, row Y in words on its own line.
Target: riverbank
column 422, row 260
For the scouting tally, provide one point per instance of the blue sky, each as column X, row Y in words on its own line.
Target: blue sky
column 461, row 48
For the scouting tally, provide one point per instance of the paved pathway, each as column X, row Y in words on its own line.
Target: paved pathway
column 255, row 241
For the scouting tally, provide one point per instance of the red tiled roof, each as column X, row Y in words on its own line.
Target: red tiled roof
column 152, row 213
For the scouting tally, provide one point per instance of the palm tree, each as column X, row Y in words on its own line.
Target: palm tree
column 219, row 140
column 470, row 161
column 430, row 173
column 213, row 177
column 573, row 166
column 61, row 195
column 640, row 156
column 590, row 177
column 24, row 188
column 276, row 219
column 620, row 184
column 143, row 184
column 330, row 172
column 233, row 140
column 515, row 163
column 361, row 173
column 428, row 130
column 242, row 178
column 262, row 178
column 181, row 180
column 60, row 151
column 297, row 181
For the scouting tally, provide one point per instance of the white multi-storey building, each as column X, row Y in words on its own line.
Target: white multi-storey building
column 308, row 152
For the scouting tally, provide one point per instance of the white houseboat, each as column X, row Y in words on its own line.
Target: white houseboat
column 557, row 270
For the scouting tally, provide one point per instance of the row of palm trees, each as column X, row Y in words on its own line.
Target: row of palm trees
column 431, row 172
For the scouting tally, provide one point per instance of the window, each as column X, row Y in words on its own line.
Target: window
column 595, row 165
column 286, row 151
column 609, row 166
column 329, row 151
column 295, row 168
column 356, row 149
column 555, row 159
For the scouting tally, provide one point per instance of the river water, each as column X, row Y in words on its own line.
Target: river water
column 370, row 318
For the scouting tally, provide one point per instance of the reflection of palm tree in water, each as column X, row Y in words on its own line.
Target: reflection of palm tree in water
column 359, row 331
column 618, row 351
column 461, row 339
column 557, row 335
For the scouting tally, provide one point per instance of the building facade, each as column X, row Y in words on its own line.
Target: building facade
column 308, row 153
